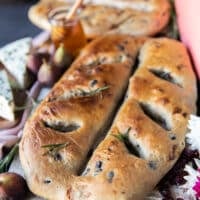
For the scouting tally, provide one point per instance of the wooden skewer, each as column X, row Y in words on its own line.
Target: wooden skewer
column 74, row 9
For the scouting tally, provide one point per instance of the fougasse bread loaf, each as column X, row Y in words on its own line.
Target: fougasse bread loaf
column 75, row 113
column 134, row 17
column 147, row 134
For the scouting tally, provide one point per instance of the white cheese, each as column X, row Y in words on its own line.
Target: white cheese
column 14, row 57
column 6, row 98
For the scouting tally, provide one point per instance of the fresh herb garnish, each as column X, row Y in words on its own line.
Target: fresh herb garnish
column 6, row 161
column 92, row 92
column 124, row 137
column 53, row 149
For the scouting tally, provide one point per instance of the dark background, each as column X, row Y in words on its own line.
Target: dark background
column 14, row 23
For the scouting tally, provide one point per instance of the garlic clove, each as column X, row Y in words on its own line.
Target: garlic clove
column 62, row 58
column 47, row 74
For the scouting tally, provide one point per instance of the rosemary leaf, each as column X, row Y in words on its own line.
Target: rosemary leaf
column 53, row 149
column 123, row 137
column 54, row 145
column 98, row 90
column 92, row 92
column 6, row 161
column 79, row 92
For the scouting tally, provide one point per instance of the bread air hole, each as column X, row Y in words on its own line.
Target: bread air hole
column 47, row 181
column 62, row 126
column 165, row 75
column 155, row 116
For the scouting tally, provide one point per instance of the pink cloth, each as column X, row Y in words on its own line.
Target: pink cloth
column 188, row 16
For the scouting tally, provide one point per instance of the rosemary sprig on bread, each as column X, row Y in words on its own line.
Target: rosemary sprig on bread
column 53, row 149
column 92, row 92
column 123, row 137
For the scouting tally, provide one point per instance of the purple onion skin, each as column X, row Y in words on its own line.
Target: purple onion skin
column 176, row 175
column 35, row 61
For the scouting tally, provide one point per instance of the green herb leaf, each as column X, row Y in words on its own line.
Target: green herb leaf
column 123, row 137
column 53, row 149
column 91, row 92
column 6, row 161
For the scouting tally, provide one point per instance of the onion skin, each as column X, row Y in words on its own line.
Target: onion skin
column 33, row 94
column 62, row 58
column 41, row 39
column 5, row 124
column 48, row 74
column 12, row 186
column 35, row 61
column 9, row 137
column 189, row 28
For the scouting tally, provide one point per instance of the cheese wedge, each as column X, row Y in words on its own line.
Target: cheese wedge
column 14, row 57
column 7, row 104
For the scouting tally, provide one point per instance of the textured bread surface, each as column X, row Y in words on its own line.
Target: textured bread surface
column 134, row 17
column 147, row 134
column 101, row 64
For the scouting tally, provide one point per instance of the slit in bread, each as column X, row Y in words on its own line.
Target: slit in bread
column 156, row 115
column 62, row 126
column 112, row 170
column 132, row 148
column 166, row 76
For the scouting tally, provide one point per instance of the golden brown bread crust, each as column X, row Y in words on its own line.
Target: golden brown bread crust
column 134, row 17
column 98, row 63
column 155, row 111
column 158, row 145
column 38, row 13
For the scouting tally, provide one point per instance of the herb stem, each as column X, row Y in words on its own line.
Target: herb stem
column 93, row 92
column 6, row 161
column 53, row 149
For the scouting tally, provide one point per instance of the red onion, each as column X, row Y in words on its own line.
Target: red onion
column 8, row 137
column 40, row 39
